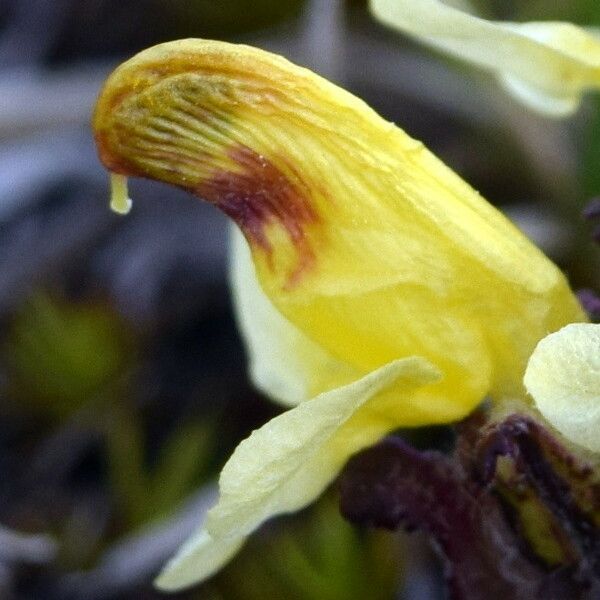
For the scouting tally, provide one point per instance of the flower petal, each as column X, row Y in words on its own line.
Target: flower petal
column 199, row 558
column 547, row 65
column 563, row 376
column 288, row 462
column 284, row 363
column 361, row 238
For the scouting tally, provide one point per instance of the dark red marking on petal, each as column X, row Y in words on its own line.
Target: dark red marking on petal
column 259, row 195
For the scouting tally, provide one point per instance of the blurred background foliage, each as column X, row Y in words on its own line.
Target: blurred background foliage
column 122, row 378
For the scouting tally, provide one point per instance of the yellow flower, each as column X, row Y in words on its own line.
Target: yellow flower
column 546, row 65
column 372, row 279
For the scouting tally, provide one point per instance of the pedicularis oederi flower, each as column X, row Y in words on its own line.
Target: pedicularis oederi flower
column 376, row 289
column 547, row 65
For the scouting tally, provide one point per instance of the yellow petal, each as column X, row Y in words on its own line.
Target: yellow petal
column 199, row 558
column 284, row 363
column 563, row 376
column 361, row 238
column 547, row 65
column 287, row 463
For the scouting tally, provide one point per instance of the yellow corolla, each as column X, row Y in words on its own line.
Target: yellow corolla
column 547, row 65
column 371, row 279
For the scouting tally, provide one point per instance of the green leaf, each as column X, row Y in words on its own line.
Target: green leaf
column 61, row 356
column 185, row 456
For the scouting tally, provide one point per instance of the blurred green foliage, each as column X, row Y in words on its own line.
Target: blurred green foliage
column 222, row 19
column 590, row 184
column 60, row 356
column 591, row 155
column 67, row 357
column 582, row 12
column 145, row 493
column 315, row 555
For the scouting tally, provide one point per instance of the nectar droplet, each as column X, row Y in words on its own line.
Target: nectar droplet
column 120, row 202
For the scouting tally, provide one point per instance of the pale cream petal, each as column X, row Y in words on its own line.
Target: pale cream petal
column 542, row 103
column 546, row 65
column 199, row 558
column 287, row 463
column 563, row 376
column 284, row 363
